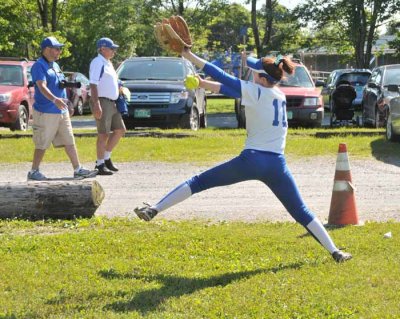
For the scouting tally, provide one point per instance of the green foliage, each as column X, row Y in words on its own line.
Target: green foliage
column 286, row 34
column 225, row 28
column 395, row 44
column 355, row 21
column 120, row 268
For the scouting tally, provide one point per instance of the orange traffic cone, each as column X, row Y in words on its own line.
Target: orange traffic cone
column 343, row 209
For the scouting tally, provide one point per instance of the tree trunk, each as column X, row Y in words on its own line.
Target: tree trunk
column 63, row 199
column 43, row 11
column 255, row 26
column 269, row 8
column 54, row 16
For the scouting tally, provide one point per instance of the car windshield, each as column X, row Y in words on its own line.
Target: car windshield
column 355, row 79
column 300, row 78
column 392, row 76
column 152, row 70
column 11, row 75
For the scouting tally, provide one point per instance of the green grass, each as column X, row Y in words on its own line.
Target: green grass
column 206, row 147
column 220, row 105
column 117, row 268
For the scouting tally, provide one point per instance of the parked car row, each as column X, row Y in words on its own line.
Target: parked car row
column 17, row 93
column 378, row 95
column 159, row 97
column 383, row 85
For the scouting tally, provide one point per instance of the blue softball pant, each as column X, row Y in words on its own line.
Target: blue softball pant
column 267, row 167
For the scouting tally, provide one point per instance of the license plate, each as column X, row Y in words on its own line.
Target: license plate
column 289, row 115
column 142, row 113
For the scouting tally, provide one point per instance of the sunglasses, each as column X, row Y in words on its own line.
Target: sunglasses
column 56, row 48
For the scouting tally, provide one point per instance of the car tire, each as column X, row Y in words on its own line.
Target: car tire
column 359, row 121
column 129, row 124
column 390, row 135
column 241, row 117
column 330, row 105
column 22, row 122
column 79, row 107
column 203, row 117
column 364, row 118
column 333, row 119
column 194, row 119
column 377, row 120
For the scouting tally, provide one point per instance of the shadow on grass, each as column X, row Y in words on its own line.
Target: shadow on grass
column 386, row 152
column 175, row 286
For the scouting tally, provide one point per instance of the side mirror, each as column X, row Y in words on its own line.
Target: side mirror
column 319, row 83
column 393, row 88
column 372, row 85
column 31, row 84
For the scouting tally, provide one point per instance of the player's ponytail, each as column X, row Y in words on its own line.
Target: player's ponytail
column 287, row 65
column 276, row 66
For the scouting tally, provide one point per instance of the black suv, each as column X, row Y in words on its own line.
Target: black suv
column 158, row 95
column 382, row 86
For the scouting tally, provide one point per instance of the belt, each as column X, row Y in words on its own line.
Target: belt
column 106, row 98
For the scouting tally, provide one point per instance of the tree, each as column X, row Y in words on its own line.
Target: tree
column 24, row 23
column 281, row 31
column 225, row 28
column 358, row 19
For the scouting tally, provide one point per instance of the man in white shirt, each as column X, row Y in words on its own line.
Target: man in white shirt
column 104, row 92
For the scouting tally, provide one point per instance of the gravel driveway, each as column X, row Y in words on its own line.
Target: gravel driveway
column 377, row 184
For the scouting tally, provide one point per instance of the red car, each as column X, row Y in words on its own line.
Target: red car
column 79, row 96
column 304, row 100
column 16, row 93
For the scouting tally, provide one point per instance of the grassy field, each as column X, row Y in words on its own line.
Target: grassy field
column 122, row 268
column 207, row 146
column 101, row 268
column 220, row 105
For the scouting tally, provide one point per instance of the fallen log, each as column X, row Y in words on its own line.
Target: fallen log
column 62, row 199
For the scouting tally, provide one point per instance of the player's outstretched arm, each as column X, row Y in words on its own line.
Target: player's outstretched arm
column 231, row 84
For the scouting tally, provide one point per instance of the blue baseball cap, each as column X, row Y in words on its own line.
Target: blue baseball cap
column 106, row 42
column 51, row 42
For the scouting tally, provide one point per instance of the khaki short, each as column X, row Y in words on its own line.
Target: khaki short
column 110, row 119
column 52, row 128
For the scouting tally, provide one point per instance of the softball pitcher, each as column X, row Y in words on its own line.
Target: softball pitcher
column 263, row 155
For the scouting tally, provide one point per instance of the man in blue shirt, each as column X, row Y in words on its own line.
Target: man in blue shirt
column 51, row 118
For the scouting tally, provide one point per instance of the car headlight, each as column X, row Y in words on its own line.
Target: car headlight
column 310, row 101
column 176, row 96
column 5, row 97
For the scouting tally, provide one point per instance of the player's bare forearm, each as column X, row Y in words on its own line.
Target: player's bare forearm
column 210, row 85
column 197, row 61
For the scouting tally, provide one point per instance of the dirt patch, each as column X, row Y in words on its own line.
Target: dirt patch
column 377, row 184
